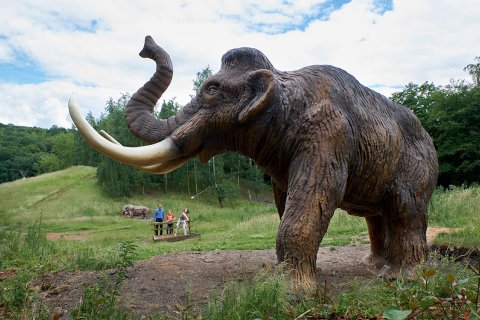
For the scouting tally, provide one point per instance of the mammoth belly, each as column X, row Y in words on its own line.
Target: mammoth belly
column 364, row 208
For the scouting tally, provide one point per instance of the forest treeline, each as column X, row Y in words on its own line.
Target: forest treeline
column 450, row 114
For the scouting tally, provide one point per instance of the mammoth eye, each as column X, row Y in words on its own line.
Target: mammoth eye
column 212, row 90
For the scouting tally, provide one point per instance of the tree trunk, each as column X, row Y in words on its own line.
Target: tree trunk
column 188, row 180
column 195, row 175
column 165, row 176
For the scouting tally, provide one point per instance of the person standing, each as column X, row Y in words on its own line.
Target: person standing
column 169, row 218
column 159, row 217
column 183, row 221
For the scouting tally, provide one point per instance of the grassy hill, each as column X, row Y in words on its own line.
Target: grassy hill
column 71, row 208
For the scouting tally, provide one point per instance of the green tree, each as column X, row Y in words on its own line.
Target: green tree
column 418, row 98
column 169, row 108
column 455, row 126
column 117, row 179
column 474, row 70
column 201, row 77
column 84, row 154
column 451, row 115
column 63, row 147
column 47, row 162
column 20, row 149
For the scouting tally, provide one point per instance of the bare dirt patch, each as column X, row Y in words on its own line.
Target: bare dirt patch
column 4, row 274
column 158, row 284
column 67, row 236
column 433, row 232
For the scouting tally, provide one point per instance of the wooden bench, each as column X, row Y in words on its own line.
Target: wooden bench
column 164, row 226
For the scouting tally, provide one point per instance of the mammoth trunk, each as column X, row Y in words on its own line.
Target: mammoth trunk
column 139, row 111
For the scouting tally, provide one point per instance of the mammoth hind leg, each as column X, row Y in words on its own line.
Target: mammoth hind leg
column 376, row 232
column 405, row 230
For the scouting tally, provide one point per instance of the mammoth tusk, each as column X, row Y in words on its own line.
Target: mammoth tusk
column 162, row 151
column 159, row 168
column 165, row 167
column 109, row 137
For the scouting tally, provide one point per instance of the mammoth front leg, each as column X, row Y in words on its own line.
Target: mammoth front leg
column 312, row 196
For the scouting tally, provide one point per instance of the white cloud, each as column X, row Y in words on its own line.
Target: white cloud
column 46, row 103
column 6, row 54
column 92, row 47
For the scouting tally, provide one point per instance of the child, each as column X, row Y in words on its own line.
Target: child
column 169, row 218
column 183, row 221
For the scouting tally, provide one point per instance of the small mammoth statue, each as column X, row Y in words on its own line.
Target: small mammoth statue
column 126, row 209
column 135, row 211
column 326, row 141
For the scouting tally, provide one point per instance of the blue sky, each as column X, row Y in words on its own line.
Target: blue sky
column 290, row 21
column 51, row 48
column 21, row 70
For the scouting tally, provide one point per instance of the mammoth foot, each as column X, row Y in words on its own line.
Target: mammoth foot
column 374, row 260
column 305, row 287
column 389, row 270
column 303, row 280
column 396, row 271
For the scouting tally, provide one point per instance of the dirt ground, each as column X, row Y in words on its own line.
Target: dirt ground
column 161, row 283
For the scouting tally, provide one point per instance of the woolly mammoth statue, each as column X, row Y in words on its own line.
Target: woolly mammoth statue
column 326, row 141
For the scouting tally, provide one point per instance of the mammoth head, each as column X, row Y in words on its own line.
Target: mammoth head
column 226, row 102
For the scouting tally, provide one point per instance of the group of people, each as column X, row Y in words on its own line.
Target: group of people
column 160, row 216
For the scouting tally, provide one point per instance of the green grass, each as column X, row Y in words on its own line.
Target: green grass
column 459, row 208
column 263, row 297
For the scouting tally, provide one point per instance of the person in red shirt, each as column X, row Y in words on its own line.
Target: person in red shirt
column 169, row 218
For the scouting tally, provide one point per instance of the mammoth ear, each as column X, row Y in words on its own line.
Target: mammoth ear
column 263, row 85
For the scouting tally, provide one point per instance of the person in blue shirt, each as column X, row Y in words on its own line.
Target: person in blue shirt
column 159, row 217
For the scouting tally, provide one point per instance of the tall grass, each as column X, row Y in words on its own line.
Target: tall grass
column 100, row 301
column 25, row 255
column 457, row 207
column 442, row 289
column 264, row 297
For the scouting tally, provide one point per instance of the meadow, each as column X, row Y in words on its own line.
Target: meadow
column 87, row 227
column 69, row 203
